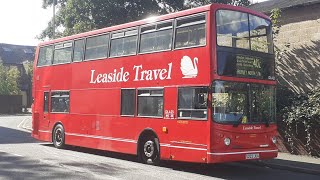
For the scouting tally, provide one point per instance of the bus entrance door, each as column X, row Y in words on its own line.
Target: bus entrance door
column 187, row 128
column 45, row 117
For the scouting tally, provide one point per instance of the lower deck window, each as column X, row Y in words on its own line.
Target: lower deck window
column 46, row 102
column 60, row 101
column 150, row 102
column 128, row 101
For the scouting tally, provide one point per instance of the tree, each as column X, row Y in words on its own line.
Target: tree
column 76, row 16
column 9, row 78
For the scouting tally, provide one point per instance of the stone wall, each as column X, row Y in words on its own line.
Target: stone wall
column 299, row 67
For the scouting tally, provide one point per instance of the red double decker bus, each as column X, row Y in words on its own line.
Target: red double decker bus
column 195, row 86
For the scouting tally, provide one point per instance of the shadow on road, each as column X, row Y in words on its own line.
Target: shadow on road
column 241, row 170
column 15, row 167
column 14, row 136
column 110, row 154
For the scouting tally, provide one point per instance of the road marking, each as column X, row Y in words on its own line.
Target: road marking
column 11, row 153
column 17, row 155
column 19, row 126
column 22, row 125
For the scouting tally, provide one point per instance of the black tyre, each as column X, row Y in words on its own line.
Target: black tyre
column 58, row 137
column 149, row 150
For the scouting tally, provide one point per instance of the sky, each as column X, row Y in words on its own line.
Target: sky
column 21, row 21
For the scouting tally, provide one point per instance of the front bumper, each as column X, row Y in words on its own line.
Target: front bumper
column 219, row 157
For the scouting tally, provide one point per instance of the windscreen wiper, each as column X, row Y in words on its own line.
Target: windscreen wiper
column 267, row 122
column 236, row 124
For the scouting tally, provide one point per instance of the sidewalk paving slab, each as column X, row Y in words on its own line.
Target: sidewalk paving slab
column 296, row 163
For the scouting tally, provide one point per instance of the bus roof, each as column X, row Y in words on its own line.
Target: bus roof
column 155, row 19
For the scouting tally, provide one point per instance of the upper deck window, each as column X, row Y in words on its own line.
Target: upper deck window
column 45, row 56
column 156, row 37
column 97, row 47
column 62, row 53
column 124, row 43
column 191, row 31
column 78, row 50
column 260, row 34
column 241, row 30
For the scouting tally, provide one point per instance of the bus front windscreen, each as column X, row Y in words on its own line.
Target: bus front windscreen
column 242, row 103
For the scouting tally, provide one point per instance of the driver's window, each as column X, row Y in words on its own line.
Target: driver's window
column 192, row 102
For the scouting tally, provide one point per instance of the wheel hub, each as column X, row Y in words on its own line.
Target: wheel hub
column 148, row 148
column 58, row 136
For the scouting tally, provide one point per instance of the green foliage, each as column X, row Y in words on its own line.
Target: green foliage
column 9, row 80
column 76, row 16
column 284, row 99
column 28, row 66
column 275, row 19
column 25, row 79
column 276, row 24
column 305, row 110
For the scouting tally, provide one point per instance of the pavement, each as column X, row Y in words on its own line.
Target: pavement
column 284, row 161
column 295, row 163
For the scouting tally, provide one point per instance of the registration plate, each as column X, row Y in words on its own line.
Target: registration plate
column 252, row 156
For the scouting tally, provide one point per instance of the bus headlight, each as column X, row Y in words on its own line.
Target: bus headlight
column 274, row 139
column 227, row 141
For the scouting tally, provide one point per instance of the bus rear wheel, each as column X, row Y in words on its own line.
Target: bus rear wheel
column 149, row 150
column 58, row 137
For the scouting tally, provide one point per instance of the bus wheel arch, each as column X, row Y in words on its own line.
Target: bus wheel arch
column 58, row 135
column 148, row 147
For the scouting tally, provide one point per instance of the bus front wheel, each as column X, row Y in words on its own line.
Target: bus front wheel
column 149, row 150
column 58, row 137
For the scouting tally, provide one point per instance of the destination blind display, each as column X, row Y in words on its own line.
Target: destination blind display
column 248, row 66
column 238, row 65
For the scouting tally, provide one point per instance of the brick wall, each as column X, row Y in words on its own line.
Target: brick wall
column 299, row 67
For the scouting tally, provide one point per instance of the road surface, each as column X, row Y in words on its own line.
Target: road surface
column 22, row 157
